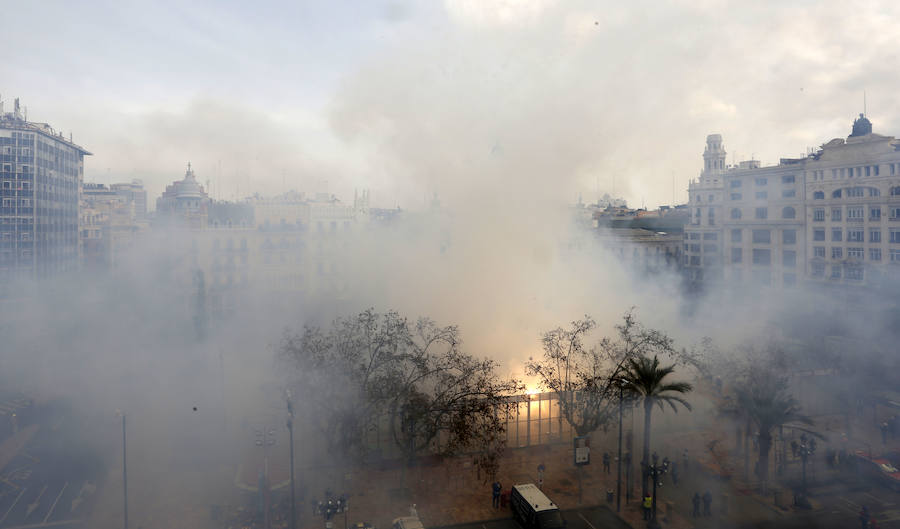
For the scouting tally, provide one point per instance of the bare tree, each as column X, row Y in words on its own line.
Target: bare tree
column 432, row 396
column 586, row 381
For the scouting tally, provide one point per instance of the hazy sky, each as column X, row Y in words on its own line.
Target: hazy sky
column 464, row 97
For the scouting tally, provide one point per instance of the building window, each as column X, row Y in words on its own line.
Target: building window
column 855, row 191
column 895, row 191
column 835, row 271
column 762, row 213
column 762, row 181
column 761, row 237
column 819, row 251
column 709, row 248
column 735, row 183
column 855, row 253
column 836, row 193
column 856, row 235
column 855, row 273
column 710, row 236
column 895, row 236
column 819, row 235
column 895, row 256
column 788, row 213
column 762, row 195
column 875, row 213
column 789, row 193
column 895, row 213
column 710, row 198
column 868, row 170
column 874, row 192
column 736, row 235
column 835, row 214
column 735, row 213
column 819, row 195
column 874, row 235
column 737, row 255
column 819, row 214
column 695, row 248
column 837, row 252
column 787, row 179
column 875, row 254
column 789, row 237
column 789, row 258
column 736, row 196
column 695, row 236
column 695, row 260
column 818, row 269
column 855, row 213
column 762, row 257
column 836, row 234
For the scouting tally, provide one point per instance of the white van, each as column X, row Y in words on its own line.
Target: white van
column 533, row 509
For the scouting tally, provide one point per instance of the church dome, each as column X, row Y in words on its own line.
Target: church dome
column 861, row 126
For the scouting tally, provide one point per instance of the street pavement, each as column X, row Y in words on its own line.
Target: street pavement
column 599, row 517
column 43, row 486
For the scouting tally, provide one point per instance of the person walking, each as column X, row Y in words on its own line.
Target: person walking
column 696, row 502
column 495, row 489
column 647, row 505
column 606, row 464
column 707, row 503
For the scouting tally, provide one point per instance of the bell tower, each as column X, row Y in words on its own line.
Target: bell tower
column 713, row 157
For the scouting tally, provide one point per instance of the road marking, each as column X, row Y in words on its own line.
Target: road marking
column 58, row 496
column 586, row 521
column 51, row 524
column 35, row 504
column 13, row 505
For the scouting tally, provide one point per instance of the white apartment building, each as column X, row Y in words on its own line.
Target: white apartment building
column 831, row 217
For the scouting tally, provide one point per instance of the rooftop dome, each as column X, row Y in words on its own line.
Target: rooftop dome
column 861, row 126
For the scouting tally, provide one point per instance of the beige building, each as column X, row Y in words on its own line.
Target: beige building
column 832, row 216
column 108, row 226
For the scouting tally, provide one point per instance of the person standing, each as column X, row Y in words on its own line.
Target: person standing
column 495, row 489
column 606, row 461
column 647, row 505
column 707, row 503
column 696, row 502
column 540, row 469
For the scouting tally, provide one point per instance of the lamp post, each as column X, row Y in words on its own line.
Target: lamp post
column 805, row 451
column 656, row 471
column 290, row 425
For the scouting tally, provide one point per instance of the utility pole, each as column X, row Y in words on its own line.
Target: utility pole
column 619, row 459
column 290, row 425
column 125, row 471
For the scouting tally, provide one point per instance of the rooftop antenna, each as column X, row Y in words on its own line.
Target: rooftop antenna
column 864, row 103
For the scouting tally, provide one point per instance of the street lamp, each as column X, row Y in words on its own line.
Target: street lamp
column 656, row 471
column 805, row 451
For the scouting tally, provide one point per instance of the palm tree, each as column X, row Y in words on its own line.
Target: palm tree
column 646, row 380
column 763, row 397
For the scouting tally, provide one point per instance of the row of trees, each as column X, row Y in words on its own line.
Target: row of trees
column 412, row 377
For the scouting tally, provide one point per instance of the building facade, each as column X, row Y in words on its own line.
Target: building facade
column 830, row 217
column 40, row 181
column 184, row 203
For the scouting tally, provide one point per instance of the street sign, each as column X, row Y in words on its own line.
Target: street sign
column 582, row 450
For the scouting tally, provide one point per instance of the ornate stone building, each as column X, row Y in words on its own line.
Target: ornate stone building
column 832, row 216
